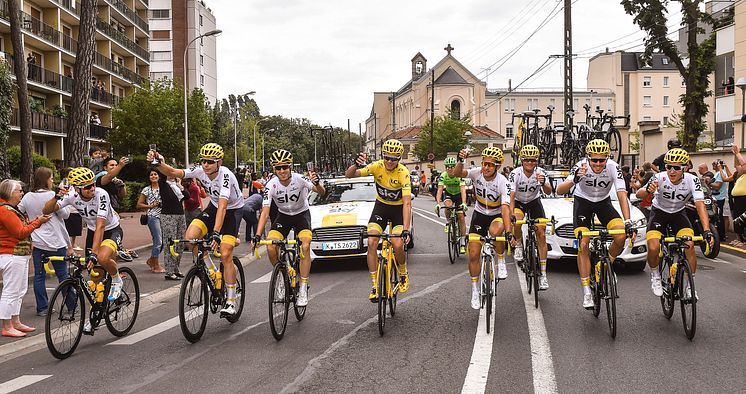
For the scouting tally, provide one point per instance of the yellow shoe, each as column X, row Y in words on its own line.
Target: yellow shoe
column 403, row 282
column 373, row 297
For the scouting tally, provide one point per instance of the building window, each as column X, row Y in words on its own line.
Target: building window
column 665, row 120
column 665, row 101
column 160, row 14
column 532, row 104
column 647, row 101
column 456, row 109
column 576, row 104
column 665, row 61
column 509, row 131
column 200, row 20
column 551, row 102
column 202, row 41
column 646, row 118
column 161, row 35
column 587, row 102
column 156, row 56
column 202, row 80
column 598, row 103
column 609, row 104
column 160, row 75
column 39, row 148
column 647, row 82
column 665, row 82
column 509, row 105
column 201, row 60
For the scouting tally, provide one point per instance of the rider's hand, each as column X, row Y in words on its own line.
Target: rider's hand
column 214, row 237
column 541, row 178
column 362, row 158
column 580, row 172
column 709, row 237
column 405, row 236
column 629, row 228
column 513, row 219
column 314, row 177
column 462, row 154
column 652, row 187
column 464, row 207
column 91, row 260
column 437, row 209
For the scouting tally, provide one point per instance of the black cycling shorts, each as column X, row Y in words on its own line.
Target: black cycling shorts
column 300, row 224
column 455, row 198
column 74, row 225
column 113, row 236
column 671, row 224
column 534, row 208
column 480, row 223
column 384, row 213
column 206, row 222
column 583, row 211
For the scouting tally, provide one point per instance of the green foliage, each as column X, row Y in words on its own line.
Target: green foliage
column 36, row 105
column 129, row 202
column 14, row 161
column 448, row 136
column 634, row 141
column 136, row 170
column 155, row 115
column 6, row 108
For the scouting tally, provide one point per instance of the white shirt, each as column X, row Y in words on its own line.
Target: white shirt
column 225, row 186
column 52, row 235
column 526, row 188
column 490, row 194
column 672, row 197
column 291, row 199
column 97, row 207
column 597, row 187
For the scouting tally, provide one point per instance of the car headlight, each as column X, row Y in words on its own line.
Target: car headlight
column 640, row 223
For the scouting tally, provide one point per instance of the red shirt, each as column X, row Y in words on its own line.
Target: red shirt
column 15, row 230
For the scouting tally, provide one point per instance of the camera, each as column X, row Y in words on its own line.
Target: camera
column 740, row 221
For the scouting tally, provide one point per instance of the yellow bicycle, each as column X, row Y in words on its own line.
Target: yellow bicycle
column 388, row 278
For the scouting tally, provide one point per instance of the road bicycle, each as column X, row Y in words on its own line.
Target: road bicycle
column 64, row 323
column 529, row 132
column 487, row 278
column 603, row 126
column 603, row 278
column 388, row 276
column 284, row 285
column 453, row 232
column 203, row 290
column 531, row 264
column 678, row 281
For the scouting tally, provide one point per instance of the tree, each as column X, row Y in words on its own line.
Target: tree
column 6, row 106
column 652, row 17
column 19, row 68
column 78, row 122
column 155, row 115
column 448, row 137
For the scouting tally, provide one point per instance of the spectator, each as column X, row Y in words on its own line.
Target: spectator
column 472, row 165
column 97, row 160
column 74, row 223
column 423, row 179
column 193, row 203
column 173, row 225
column 150, row 199
column 255, row 186
column 738, row 209
column 719, row 191
column 31, row 60
column 107, row 180
column 241, row 177
column 51, row 239
column 627, row 179
column 644, row 177
column 265, row 178
column 15, row 249
column 251, row 206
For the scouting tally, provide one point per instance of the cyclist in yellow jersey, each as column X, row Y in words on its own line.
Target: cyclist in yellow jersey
column 393, row 204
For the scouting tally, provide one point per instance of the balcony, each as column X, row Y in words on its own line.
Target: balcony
column 104, row 97
column 42, row 122
column 98, row 132
column 122, row 39
column 107, row 64
column 42, row 76
column 129, row 13
column 72, row 6
column 40, row 29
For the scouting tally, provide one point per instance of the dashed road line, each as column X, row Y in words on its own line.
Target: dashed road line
column 428, row 218
column 264, row 278
column 21, row 382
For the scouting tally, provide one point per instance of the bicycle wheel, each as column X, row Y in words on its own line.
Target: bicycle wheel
column 488, row 283
column 535, row 269
column 667, row 300
column 610, row 295
column 193, row 304
column 688, row 304
column 63, row 325
column 121, row 313
column 596, row 287
column 614, row 138
column 240, row 286
column 300, row 311
column 451, row 250
column 382, row 296
column 395, row 290
column 279, row 302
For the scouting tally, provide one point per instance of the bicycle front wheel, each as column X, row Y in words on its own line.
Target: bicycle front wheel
column 535, row 270
column 63, row 325
column 610, row 295
column 240, row 290
column 487, row 283
column 279, row 287
column 452, row 242
column 300, row 311
column 193, row 304
column 614, row 138
column 688, row 299
column 121, row 313
column 667, row 299
column 382, row 296
column 394, row 286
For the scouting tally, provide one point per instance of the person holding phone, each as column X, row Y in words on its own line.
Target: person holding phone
column 719, row 191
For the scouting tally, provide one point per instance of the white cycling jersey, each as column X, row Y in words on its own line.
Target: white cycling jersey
column 490, row 195
column 526, row 188
column 291, row 199
column 672, row 197
column 97, row 207
column 224, row 186
column 597, row 187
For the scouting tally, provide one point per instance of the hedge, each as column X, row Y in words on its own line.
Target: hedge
column 129, row 202
column 14, row 162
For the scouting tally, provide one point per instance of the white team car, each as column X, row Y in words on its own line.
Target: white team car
column 339, row 216
column 563, row 243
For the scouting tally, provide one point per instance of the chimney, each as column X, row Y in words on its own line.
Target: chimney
column 510, row 84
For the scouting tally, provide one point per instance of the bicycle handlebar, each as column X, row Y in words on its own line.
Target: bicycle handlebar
column 489, row 238
column 273, row 242
column 538, row 221
column 77, row 260
column 598, row 233
column 686, row 238
column 201, row 243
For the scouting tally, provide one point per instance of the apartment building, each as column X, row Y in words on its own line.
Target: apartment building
column 173, row 25
column 50, row 30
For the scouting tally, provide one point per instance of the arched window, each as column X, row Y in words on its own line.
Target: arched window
column 456, row 109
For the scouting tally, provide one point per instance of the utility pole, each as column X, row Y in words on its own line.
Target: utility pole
column 393, row 112
column 432, row 109
column 375, row 134
column 568, row 65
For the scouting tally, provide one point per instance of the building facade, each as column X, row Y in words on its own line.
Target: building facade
column 50, row 31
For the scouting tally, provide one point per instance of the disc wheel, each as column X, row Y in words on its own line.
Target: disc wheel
column 63, row 325
column 193, row 304
column 610, row 295
column 667, row 299
column 121, row 313
column 688, row 304
column 240, row 290
column 381, row 297
column 279, row 301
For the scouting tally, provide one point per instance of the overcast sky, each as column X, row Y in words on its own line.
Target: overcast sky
column 323, row 60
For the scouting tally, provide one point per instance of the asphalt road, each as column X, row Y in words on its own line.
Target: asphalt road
column 435, row 343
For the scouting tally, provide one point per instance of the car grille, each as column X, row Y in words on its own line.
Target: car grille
column 337, row 233
column 569, row 250
column 565, row 231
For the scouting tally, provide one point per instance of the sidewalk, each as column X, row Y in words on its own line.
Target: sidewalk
column 729, row 246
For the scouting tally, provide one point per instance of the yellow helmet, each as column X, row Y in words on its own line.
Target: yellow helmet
column 529, row 152
column 211, row 151
column 392, row 147
column 676, row 156
column 597, row 147
column 281, row 156
column 81, row 176
column 494, row 153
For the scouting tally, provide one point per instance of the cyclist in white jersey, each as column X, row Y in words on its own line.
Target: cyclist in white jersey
column 104, row 233
column 218, row 221
column 490, row 211
column 289, row 191
column 592, row 196
column 524, row 186
column 672, row 189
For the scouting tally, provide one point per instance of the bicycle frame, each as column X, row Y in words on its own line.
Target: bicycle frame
column 90, row 295
column 203, row 249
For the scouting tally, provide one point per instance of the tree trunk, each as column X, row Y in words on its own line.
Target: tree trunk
column 78, row 122
column 24, row 112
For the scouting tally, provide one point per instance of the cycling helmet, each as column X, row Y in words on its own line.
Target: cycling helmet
column 529, row 152
column 211, row 151
column 674, row 143
column 494, row 153
column 81, row 176
column 281, row 156
column 449, row 162
column 676, row 156
column 597, row 147
column 392, row 147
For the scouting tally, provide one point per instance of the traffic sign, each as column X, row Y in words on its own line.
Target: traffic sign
column 431, row 156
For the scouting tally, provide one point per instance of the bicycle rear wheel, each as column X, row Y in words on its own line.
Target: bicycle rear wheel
column 667, row 299
column 63, row 325
column 535, row 269
column 279, row 303
column 614, row 138
column 487, row 284
column 596, row 288
column 688, row 304
column 193, row 304
column 452, row 246
column 121, row 313
column 382, row 296
column 394, row 289
column 610, row 295
column 240, row 286
column 300, row 311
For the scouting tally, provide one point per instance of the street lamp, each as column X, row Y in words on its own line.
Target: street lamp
column 186, row 120
column 264, row 159
column 741, row 83
column 235, row 133
column 256, row 124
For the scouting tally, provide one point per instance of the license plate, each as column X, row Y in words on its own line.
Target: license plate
column 339, row 245
column 575, row 244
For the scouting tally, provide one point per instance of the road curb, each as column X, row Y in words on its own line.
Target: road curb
column 732, row 250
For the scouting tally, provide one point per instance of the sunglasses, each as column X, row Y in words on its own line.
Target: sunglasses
column 488, row 164
column 529, row 160
column 391, row 158
column 281, row 167
column 208, row 161
column 673, row 168
column 88, row 187
column 595, row 160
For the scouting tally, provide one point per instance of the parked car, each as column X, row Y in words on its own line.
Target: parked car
column 340, row 215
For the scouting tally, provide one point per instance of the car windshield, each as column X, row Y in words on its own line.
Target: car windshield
column 345, row 192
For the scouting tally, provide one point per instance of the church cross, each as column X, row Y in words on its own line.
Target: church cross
column 449, row 48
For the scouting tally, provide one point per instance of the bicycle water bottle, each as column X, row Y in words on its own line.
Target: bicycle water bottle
column 92, row 286
column 672, row 270
column 100, row 292
column 291, row 272
column 598, row 271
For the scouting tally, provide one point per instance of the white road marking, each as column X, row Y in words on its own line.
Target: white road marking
column 21, row 382
column 481, row 356
column 425, row 211
column 147, row 333
column 428, row 218
column 264, row 278
column 541, row 352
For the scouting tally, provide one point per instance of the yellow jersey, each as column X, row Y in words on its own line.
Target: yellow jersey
column 391, row 186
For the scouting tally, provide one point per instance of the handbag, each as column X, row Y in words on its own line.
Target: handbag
column 144, row 219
